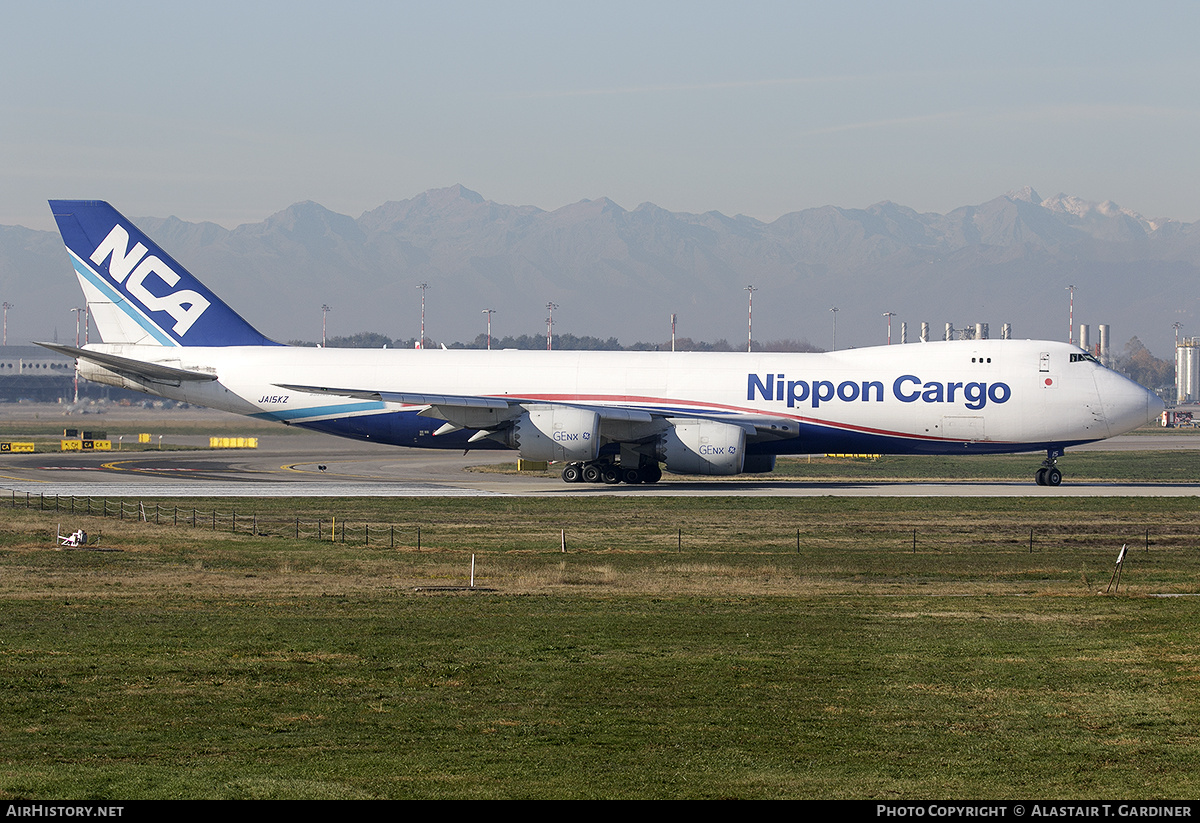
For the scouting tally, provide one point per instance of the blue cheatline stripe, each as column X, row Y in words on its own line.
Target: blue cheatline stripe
column 121, row 302
column 322, row 411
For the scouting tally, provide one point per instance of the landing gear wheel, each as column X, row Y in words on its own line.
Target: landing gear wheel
column 591, row 473
column 611, row 475
column 650, row 474
column 572, row 473
column 631, row 476
column 1049, row 474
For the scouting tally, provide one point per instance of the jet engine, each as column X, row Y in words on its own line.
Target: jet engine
column 554, row 433
column 703, row 447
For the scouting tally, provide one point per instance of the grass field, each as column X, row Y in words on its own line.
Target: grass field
column 911, row 648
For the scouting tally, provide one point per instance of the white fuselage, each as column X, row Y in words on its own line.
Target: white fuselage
column 988, row 395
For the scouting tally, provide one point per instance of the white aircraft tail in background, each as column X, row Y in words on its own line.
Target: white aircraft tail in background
column 608, row 416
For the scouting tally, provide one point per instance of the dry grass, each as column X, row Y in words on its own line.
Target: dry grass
column 187, row 663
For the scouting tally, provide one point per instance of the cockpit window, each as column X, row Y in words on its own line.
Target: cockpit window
column 1083, row 357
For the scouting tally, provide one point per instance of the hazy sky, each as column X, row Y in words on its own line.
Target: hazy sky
column 231, row 111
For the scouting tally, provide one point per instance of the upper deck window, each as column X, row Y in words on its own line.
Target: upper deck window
column 1082, row 356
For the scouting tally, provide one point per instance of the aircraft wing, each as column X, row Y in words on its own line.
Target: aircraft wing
column 155, row 372
column 490, row 412
column 407, row 398
column 453, row 406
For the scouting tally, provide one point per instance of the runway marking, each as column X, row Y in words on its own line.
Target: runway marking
column 293, row 467
column 21, row 479
column 116, row 466
column 67, row 469
column 154, row 471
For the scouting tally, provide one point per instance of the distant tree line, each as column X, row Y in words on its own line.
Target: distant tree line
column 563, row 342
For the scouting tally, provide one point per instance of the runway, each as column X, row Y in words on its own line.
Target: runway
column 291, row 466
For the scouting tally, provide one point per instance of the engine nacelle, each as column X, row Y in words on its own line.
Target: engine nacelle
column 703, row 447
column 758, row 464
column 556, row 433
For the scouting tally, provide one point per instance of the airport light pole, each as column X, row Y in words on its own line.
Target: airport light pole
column 1071, row 317
column 489, row 313
column 550, row 307
column 325, row 309
column 77, row 311
column 672, row 332
column 889, row 315
column 7, row 306
column 421, row 342
column 835, row 311
column 750, row 318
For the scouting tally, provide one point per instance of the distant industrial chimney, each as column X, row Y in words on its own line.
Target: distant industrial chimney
column 1187, row 370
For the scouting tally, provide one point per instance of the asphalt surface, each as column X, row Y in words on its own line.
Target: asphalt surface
column 313, row 465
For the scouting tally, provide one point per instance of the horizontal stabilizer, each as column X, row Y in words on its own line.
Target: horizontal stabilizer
column 156, row 372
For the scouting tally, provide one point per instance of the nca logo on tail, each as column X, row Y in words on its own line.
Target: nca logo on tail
column 184, row 305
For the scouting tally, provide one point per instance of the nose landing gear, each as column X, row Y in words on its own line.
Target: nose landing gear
column 1049, row 474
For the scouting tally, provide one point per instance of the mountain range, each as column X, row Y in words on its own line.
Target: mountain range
column 622, row 273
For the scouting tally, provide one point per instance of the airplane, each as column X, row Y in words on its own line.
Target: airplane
column 608, row 417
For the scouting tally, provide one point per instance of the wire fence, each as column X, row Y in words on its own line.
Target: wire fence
column 295, row 527
column 660, row 536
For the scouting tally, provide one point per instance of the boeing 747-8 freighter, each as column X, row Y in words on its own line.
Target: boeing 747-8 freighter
column 606, row 416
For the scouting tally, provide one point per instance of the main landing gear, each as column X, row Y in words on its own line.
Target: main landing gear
column 1048, row 474
column 600, row 471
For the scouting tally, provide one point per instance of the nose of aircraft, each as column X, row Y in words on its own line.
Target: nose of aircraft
column 1127, row 405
